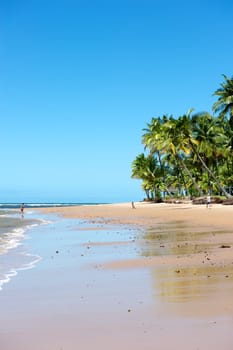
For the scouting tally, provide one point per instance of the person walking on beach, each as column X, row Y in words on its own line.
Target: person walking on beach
column 22, row 209
column 208, row 201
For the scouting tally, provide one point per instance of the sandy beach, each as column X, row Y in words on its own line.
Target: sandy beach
column 159, row 276
column 150, row 213
column 212, row 226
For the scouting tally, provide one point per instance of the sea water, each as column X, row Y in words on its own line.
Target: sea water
column 18, row 251
column 14, row 255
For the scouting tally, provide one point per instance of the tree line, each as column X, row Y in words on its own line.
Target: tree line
column 191, row 155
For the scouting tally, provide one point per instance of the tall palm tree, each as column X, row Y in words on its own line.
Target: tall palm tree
column 176, row 142
column 153, row 135
column 191, row 152
column 212, row 141
column 224, row 104
column 162, row 137
column 192, row 139
column 146, row 169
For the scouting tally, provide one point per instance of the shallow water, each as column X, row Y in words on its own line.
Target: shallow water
column 80, row 243
column 14, row 255
column 69, row 298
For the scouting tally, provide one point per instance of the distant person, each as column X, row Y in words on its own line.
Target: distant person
column 133, row 206
column 22, row 209
column 208, row 201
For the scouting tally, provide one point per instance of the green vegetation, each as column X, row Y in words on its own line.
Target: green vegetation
column 190, row 155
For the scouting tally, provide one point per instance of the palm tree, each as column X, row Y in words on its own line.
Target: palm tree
column 212, row 141
column 194, row 143
column 224, row 104
column 146, row 169
column 176, row 142
column 153, row 136
column 191, row 152
column 163, row 138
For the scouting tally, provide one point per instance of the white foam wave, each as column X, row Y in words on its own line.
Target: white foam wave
column 10, row 244
column 15, row 236
column 13, row 272
column 7, row 277
column 13, row 239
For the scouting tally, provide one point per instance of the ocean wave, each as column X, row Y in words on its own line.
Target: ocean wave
column 12, row 234
column 37, row 205
column 13, row 229
column 11, row 237
column 43, row 205
column 6, row 277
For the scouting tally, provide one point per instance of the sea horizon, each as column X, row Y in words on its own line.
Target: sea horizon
column 38, row 204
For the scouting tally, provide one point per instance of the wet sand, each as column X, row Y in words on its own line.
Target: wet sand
column 112, row 277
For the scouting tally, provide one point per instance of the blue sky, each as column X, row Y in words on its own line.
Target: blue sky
column 79, row 80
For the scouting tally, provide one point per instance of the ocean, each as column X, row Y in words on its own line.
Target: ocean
column 14, row 233
column 13, row 254
column 41, row 205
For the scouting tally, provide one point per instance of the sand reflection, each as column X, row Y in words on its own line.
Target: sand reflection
column 196, row 269
column 178, row 239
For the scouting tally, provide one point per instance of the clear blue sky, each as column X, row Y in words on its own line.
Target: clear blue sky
column 79, row 80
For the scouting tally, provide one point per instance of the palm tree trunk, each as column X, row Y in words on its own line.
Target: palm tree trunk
column 221, row 188
column 167, row 190
column 184, row 182
column 189, row 174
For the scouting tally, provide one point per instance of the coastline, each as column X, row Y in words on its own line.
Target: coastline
column 198, row 239
column 114, row 277
column 146, row 213
column 198, row 243
column 13, row 255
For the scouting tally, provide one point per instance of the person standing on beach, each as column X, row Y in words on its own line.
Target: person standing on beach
column 208, row 201
column 22, row 209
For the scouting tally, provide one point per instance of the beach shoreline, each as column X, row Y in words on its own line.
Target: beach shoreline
column 210, row 229
column 147, row 213
column 206, row 244
column 112, row 277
